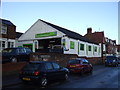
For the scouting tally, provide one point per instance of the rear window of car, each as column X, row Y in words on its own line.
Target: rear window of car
column 74, row 61
column 32, row 66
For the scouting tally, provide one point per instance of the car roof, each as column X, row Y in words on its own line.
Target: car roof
column 78, row 59
column 110, row 56
column 16, row 48
column 37, row 62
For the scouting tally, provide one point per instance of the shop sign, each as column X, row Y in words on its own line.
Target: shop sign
column 45, row 34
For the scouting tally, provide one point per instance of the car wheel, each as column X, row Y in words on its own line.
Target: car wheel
column 44, row 81
column 82, row 72
column 13, row 59
column 116, row 65
column 25, row 82
column 91, row 71
column 105, row 65
column 66, row 76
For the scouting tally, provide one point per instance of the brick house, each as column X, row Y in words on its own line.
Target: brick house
column 7, row 34
column 108, row 46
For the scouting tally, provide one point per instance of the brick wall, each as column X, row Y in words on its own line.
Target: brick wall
column 59, row 58
column 11, row 32
column 62, row 59
column 12, row 67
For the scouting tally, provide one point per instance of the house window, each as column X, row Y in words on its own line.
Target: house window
column 72, row 45
column 3, row 44
column 99, row 50
column 89, row 48
column 95, row 49
column 0, row 44
column 81, row 46
column 4, row 29
column 10, row 44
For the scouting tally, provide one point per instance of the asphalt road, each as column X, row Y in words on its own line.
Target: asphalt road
column 102, row 77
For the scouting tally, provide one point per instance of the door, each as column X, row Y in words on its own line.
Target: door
column 85, row 65
column 22, row 55
column 50, row 72
column 59, row 73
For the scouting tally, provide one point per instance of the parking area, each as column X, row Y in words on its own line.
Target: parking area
column 102, row 77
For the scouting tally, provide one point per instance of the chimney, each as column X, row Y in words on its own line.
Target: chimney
column 89, row 30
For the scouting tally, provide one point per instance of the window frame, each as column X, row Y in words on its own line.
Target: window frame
column 72, row 45
column 4, row 29
column 89, row 48
column 82, row 47
column 95, row 48
column 54, row 65
column 47, row 67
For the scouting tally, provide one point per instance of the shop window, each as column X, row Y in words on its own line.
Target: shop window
column 63, row 42
column 81, row 46
column 89, row 48
column 72, row 45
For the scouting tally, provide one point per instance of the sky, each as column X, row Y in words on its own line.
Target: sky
column 75, row 16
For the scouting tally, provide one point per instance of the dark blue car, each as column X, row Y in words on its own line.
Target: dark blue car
column 15, row 54
column 43, row 72
column 111, row 61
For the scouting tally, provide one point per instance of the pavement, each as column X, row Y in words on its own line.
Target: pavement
column 13, row 79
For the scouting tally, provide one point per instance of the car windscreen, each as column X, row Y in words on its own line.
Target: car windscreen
column 74, row 61
column 8, row 50
column 32, row 66
column 111, row 58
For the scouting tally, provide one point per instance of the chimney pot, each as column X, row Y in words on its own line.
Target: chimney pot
column 89, row 30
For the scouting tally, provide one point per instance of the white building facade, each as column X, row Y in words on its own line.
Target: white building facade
column 46, row 37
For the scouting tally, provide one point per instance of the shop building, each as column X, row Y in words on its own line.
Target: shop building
column 45, row 37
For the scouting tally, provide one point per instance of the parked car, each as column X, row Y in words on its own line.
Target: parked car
column 79, row 65
column 43, row 72
column 15, row 54
column 111, row 61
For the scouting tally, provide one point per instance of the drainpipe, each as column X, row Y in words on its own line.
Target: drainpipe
column 33, row 48
column 102, row 52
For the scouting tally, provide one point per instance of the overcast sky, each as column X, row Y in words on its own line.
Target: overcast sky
column 75, row 16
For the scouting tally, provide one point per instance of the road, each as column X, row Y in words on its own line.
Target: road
column 102, row 77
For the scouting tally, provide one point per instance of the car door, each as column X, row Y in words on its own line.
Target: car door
column 59, row 73
column 85, row 65
column 50, row 72
column 22, row 54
